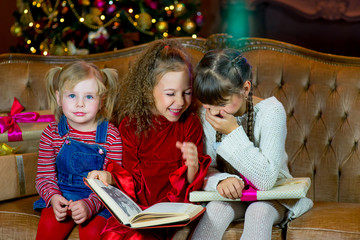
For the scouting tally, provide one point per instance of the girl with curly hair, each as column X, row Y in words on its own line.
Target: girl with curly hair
column 161, row 133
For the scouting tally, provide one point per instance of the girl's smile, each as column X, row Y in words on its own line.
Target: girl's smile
column 172, row 95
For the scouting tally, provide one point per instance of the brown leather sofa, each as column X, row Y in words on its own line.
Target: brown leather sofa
column 320, row 93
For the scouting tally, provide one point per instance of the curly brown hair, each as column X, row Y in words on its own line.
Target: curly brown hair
column 136, row 99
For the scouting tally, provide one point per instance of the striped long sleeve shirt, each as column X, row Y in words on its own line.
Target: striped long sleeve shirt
column 49, row 147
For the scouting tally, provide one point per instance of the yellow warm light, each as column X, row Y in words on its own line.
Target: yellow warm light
column 172, row 7
column 167, row 8
column 62, row 20
column 194, row 36
column 131, row 10
column 31, row 24
column 178, row 28
column 137, row 16
column 37, row 25
column 26, row 11
column 45, row 53
column 81, row 19
column 102, row 17
column 33, row 50
column 153, row 20
column 165, row 34
column 28, row 41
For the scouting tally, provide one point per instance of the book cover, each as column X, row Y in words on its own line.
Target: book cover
column 126, row 211
column 291, row 188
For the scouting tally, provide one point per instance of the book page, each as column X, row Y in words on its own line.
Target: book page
column 116, row 201
column 129, row 207
column 166, row 213
column 167, row 209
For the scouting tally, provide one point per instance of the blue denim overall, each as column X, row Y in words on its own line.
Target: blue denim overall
column 74, row 161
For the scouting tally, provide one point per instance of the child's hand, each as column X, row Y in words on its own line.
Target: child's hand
column 60, row 207
column 225, row 123
column 79, row 211
column 190, row 154
column 103, row 176
column 230, row 188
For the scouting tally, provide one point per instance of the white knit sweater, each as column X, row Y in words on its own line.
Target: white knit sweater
column 263, row 161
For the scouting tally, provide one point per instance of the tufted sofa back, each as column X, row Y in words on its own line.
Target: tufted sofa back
column 320, row 93
column 22, row 75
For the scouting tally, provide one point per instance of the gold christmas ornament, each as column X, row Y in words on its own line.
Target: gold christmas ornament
column 85, row 2
column 189, row 26
column 57, row 50
column 162, row 26
column 93, row 17
column 179, row 9
column 44, row 46
column 144, row 21
column 16, row 29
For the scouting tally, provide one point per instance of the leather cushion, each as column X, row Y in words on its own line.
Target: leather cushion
column 18, row 220
column 327, row 220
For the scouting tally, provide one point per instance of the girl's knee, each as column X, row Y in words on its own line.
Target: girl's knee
column 93, row 228
column 263, row 210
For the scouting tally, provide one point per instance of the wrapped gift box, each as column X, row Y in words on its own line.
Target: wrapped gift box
column 290, row 188
column 31, row 132
column 18, row 173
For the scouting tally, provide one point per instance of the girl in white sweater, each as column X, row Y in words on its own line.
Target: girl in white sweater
column 245, row 136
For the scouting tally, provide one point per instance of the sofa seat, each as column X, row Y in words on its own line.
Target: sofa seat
column 18, row 220
column 327, row 220
column 235, row 230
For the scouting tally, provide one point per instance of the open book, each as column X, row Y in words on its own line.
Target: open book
column 125, row 210
column 291, row 188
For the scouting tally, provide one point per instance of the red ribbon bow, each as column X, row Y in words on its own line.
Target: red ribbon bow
column 9, row 123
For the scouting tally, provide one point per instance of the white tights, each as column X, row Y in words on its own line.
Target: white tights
column 259, row 216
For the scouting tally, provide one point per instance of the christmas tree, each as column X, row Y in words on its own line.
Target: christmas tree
column 75, row 27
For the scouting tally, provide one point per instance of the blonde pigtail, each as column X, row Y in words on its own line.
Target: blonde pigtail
column 52, row 85
column 111, row 84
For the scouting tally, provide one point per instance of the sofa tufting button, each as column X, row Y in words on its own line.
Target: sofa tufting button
column 345, row 116
column 319, row 115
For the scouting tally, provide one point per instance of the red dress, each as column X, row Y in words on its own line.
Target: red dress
column 154, row 171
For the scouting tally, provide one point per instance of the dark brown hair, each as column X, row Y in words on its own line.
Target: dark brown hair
column 220, row 74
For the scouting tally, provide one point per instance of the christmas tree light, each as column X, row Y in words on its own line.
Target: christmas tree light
column 75, row 27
